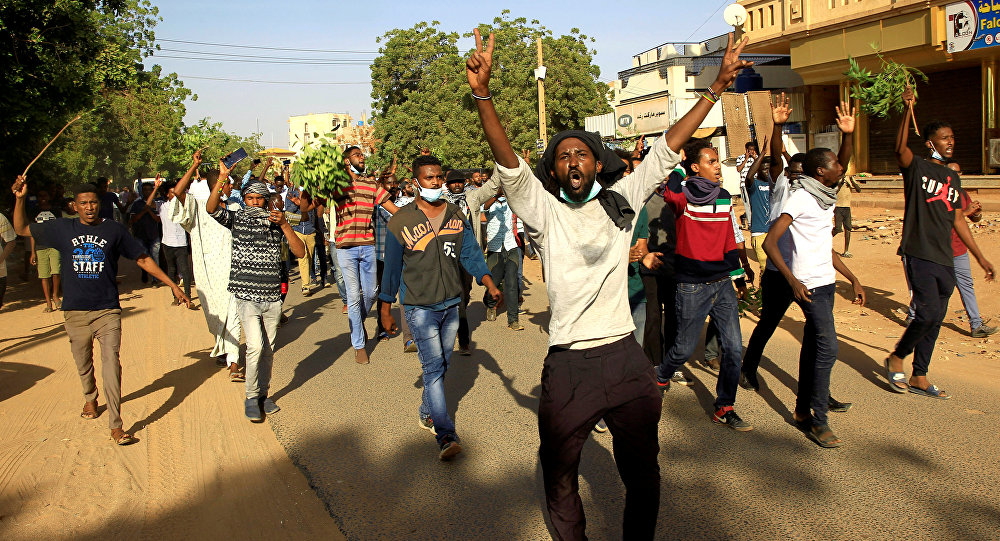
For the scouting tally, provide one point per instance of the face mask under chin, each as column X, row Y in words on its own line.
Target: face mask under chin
column 594, row 190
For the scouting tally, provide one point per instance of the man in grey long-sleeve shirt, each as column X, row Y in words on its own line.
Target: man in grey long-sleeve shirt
column 583, row 229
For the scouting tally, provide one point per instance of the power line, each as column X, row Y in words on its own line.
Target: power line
column 182, row 77
column 724, row 2
column 335, row 51
column 296, row 62
column 230, row 55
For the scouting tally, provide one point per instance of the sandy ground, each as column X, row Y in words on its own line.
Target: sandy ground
column 199, row 470
column 911, row 467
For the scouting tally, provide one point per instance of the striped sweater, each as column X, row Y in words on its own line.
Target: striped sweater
column 706, row 246
column 355, row 212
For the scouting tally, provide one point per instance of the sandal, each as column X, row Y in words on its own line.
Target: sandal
column 823, row 436
column 933, row 391
column 122, row 439
column 89, row 410
column 237, row 376
column 895, row 378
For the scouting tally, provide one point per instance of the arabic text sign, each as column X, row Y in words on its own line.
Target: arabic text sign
column 973, row 24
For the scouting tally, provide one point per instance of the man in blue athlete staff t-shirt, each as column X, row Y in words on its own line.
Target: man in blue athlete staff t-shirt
column 89, row 247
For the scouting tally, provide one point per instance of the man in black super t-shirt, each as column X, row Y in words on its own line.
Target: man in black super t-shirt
column 932, row 193
column 89, row 247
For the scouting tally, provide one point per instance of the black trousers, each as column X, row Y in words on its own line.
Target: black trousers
column 464, row 333
column 932, row 285
column 379, row 269
column 661, row 316
column 579, row 387
column 177, row 263
column 776, row 297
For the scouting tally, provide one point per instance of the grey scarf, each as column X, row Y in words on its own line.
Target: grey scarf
column 825, row 195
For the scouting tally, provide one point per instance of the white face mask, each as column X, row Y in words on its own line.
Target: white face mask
column 430, row 194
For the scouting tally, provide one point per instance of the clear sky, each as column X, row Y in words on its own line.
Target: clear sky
column 621, row 28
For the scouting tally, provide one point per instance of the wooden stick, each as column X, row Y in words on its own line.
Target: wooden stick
column 914, row 120
column 77, row 117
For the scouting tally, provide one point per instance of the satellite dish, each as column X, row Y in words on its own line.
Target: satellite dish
column 735, row 15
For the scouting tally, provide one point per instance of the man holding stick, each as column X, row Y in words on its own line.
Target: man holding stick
column 583, row 229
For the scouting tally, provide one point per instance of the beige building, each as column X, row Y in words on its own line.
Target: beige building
column 957, row 44
column 303, row 129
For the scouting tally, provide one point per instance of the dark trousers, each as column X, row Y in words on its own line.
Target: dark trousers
column 661, row 316
column 177, row 264
column 579, row 387
column 464, row 333
column 3, row 289
column 503, row 268
column 321, row 255
column 379, row 268
column 283, row 271
column 932, row 285
column 776, row 296
column 819, row 352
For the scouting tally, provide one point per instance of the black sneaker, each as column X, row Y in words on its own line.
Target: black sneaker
column 427, row 424
column 601, row 427
column 712, row 365
column 269, row 406
column 220, row 361
column 726, row 416
column 252, row 410
column 449, row 448
column 750, row 383
column 663, row 386
column 838, row 406
column 680, row 379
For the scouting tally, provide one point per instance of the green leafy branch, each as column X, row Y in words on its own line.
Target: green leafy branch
column 320, row 168
column 881, row 92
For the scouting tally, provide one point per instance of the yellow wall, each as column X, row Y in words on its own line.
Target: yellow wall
column 320, row 123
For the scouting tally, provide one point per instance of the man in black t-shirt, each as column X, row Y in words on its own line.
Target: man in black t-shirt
column 89, row 248
column 932, row 194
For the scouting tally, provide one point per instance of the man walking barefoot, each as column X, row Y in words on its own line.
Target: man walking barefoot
column 582, row 226
column 89, row 248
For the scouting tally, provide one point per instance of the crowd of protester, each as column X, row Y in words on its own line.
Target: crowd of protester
column 638, row 250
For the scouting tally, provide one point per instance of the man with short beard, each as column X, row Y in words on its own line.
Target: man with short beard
column 355, row 240
column 931, row 193
column 582, row 220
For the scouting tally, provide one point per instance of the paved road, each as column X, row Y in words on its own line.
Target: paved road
column 912, row 467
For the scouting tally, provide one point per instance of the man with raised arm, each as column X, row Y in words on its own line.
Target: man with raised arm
column 255, row 281
column 89, row 247
column 932, row 194
column 581, row 221
column 211, row 257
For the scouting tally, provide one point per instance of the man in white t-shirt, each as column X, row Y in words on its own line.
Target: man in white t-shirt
column 807, row 214
column 173, row 240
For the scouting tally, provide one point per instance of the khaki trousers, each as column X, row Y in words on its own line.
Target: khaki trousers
column 82, row 327
column 757, row 243
column 305, row 262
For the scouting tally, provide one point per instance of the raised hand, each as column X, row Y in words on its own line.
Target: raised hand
column 845, row 117
column 196, row 157
column 20, row 187
column 781, row 111
column 157, row 183
column 277, row 217
column 480, row 64
column 731, row 63
column 908, row 98
column 223, row 172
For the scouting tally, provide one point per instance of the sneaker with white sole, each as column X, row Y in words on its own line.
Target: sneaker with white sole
column 601, row 427
column 727, row 416
column 427, row 424
column 449, row 448
column 679, row 379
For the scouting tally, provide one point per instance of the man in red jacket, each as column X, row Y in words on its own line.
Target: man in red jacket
column 705, row 259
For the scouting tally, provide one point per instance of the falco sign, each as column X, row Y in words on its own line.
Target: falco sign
column 972, row 24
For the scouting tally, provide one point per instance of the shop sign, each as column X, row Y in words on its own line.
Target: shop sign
column 625, row 121
column 972, row 24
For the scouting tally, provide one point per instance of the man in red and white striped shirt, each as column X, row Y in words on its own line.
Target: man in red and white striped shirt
column 355, row 240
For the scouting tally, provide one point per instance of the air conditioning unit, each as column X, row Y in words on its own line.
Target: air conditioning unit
column 994, row 152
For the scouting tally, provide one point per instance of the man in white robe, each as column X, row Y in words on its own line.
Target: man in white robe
column 211, row 250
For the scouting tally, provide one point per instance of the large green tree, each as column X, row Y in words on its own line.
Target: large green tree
column 421, row 99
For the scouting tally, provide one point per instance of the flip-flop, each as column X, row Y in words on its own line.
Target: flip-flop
column 894, row 378
column 816, row 433
column 125, row 439
column 931, row 391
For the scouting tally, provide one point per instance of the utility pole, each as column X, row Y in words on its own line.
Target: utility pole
column 540, row 75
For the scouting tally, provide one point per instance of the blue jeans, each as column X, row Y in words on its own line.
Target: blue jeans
column 434, row 332
column 260, row 324
column 819, row 352
column 966, row 289
column 152, row 250
column 331, row 254
column 694, row 303
column 358, row 266
column 638, row 306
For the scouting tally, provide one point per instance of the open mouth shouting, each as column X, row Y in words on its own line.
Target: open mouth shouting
column 575, row 180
